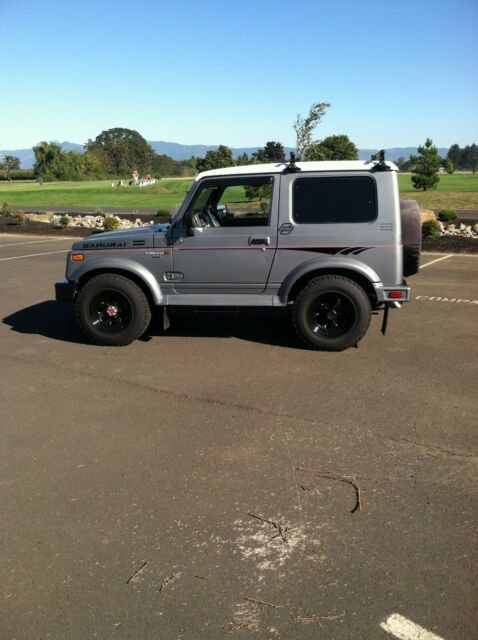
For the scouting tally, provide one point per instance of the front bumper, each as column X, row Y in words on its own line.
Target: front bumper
column 65, row 291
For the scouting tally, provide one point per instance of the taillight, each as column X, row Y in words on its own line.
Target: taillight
column 396, row 295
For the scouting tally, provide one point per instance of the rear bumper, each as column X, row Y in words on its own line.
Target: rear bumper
column 399, row 293
column 65, row 291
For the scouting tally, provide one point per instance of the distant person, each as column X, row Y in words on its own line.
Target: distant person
column 135, row 176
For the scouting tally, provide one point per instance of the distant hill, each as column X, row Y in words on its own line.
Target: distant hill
column 184, row 151
column 71, row 146
column 27, row 159
column 397, row 152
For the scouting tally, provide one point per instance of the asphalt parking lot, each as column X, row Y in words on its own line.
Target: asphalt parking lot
column 206, row 483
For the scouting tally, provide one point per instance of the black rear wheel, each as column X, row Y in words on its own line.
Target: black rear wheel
column 332, row 313
column 112, row 310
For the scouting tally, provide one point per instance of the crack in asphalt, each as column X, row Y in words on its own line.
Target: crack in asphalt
column 428, row 448
column 167, row 392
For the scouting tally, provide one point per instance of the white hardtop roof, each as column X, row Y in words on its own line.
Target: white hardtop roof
column 305, row 167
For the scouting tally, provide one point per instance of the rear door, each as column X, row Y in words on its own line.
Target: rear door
column 323, row 215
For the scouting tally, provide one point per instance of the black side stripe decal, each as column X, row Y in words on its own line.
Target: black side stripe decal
column 343, row 251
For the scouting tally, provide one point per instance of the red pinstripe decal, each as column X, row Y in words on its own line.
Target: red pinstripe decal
column 257, row 248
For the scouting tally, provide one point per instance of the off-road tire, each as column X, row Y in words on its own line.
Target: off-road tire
column 411, row 236
column 111, row 293
column 329, row 300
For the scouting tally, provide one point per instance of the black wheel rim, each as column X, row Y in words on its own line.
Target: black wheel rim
column 332, row 314
column 110, row 312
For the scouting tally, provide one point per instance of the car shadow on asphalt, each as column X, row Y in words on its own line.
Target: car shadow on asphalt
column 51, row 319
column 56, row 320
column 266, row 326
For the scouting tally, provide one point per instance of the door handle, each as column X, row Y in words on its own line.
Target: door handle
column 259, row 241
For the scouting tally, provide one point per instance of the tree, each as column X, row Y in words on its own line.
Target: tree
column 83, row 164
column 271, row 152
column 338, row 147
column 10, row 163
column 124, row 150
column 216, row 159
column 166, row 166
column 454, row 154
column 242, row 159
column 49, row 160
column 469, row 158
column 448, row 166
column 404, row 165
column 305, row 126
column 426, row 167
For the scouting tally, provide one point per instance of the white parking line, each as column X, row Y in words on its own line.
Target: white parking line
column 33, row 255
column 405, row 629
column 445, row 299
column 427, row 264
column 15, row 244
column 455, row 255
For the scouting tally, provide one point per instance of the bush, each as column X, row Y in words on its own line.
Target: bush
column 447, row 215
column 111, row 224
column 19, row 216
column 65, row 220
column 431, row 229
column 5, row 210
column 18, row 174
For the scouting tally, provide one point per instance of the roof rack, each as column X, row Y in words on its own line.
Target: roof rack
column 292, row 167
column 379, row 158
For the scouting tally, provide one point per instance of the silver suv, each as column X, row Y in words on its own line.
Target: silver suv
column 330, row 239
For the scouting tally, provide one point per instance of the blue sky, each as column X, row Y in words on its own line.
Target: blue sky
column 238, row 72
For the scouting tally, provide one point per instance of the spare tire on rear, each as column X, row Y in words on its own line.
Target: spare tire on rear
column 411, row 236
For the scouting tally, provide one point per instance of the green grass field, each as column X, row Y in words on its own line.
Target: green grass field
column 458, row 191
column 164, row 196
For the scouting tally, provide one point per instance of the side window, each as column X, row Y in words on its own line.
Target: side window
column 233, row 202
column 330, row 200
column 246, row 204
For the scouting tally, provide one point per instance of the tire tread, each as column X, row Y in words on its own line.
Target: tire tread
column 144, row 312
column 313, row 284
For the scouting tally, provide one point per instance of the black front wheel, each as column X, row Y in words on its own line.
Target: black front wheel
column 112, row 310
column 332, row 313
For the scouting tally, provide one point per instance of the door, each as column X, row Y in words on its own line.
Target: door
column 227, row 237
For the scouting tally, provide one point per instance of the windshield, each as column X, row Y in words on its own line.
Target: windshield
column 176, row 210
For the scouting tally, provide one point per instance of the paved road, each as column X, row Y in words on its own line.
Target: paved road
column 128, row 476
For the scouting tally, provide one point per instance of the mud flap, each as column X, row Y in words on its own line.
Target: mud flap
column 389, row 305
column 166, row 320
column 386, row 311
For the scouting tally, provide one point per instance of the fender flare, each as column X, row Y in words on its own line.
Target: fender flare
column 124, row 266
column 328, row 264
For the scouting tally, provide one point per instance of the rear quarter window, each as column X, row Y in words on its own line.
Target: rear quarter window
column 332, row 200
